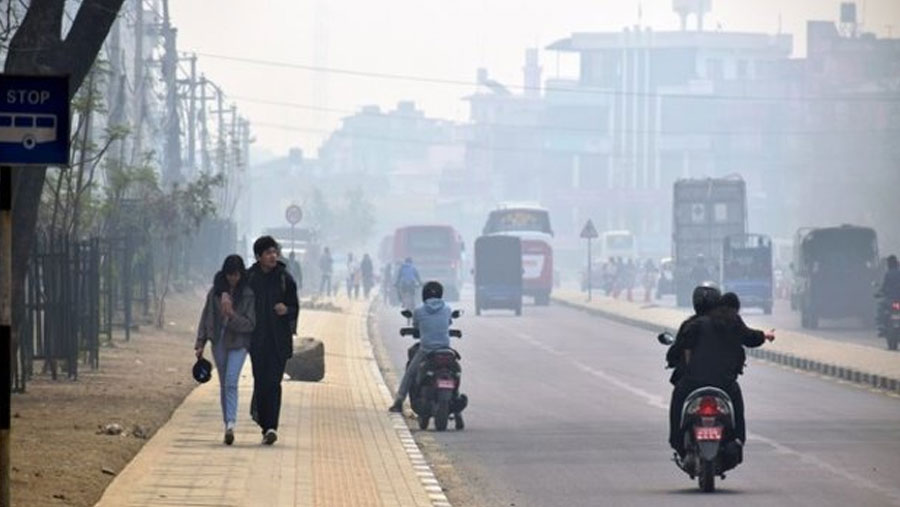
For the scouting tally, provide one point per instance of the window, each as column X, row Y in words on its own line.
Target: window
column 46, row 122
column 5, row 121
column 24, row 121
column 742, row 69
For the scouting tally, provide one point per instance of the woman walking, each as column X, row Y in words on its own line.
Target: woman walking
column 228, row 320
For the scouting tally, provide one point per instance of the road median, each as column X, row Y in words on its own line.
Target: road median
column 854, row 363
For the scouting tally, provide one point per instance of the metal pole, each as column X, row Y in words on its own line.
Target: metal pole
column 590, row 275
column 5, row 328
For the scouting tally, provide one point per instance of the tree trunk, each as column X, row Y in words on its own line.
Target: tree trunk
column 42, row 28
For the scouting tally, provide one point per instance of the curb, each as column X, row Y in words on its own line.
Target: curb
column 423, row 470
column 839, row 372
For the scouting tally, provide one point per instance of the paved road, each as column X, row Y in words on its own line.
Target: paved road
column 569, row 409
column 846, row 330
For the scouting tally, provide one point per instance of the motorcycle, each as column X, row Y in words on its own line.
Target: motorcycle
column 434, row 391
column 707, row 427
column 890, row 321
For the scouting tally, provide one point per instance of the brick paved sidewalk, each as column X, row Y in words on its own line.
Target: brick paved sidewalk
column 337, row 445
column 848, row 361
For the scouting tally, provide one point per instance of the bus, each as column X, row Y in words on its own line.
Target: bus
column 747, row 269
column 436, row 251
column 531, row 223
column 618, row 244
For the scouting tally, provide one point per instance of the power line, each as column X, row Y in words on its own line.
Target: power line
column 888, row 97
column 584, row 130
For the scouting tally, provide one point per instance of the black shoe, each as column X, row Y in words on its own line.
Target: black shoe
column 458, row 420
column 229, row 436
column 270, row 436
column 396, row 408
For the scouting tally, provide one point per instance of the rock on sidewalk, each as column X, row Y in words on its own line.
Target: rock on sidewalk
column 308, row 362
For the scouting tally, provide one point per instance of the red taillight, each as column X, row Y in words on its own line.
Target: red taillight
column 895, row 306
column 708, row 407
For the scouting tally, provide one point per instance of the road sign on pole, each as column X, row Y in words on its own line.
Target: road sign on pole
column 34, row 120
column 293, row 214
column 589, row 232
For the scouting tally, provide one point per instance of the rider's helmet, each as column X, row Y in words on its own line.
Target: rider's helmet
column 432, row 290
column 730, row 300
column 705, row 298
column 202, row 370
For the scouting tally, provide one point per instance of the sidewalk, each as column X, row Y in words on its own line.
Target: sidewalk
column 847, row 361
column 337, row 444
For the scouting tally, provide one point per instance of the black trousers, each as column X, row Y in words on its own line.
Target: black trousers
column 268, row 370
column 682, row 389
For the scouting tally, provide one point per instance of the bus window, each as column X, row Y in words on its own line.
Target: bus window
column 24, row 121
column 45, row 122
column 5, row 121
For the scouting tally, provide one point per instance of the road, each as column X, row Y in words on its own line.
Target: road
column 570, row 409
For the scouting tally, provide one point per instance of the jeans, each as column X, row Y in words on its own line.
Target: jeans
column 229, row 364
column 410, row 374
column 325, row 284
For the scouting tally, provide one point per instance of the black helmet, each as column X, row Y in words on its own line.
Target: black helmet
column 202, row 370
column 730, row 300
column 705, row 298
column 432, row 290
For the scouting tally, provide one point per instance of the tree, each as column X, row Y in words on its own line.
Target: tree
column 38, row 48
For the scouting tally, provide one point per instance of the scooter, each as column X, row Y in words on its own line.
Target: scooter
column 890, row 321
column 435, row 390
column 707, row 426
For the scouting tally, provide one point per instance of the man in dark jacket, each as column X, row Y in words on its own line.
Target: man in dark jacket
column 277, row 309
column 889, row 292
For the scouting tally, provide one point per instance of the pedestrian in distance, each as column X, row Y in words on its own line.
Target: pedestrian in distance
column 277, row 309
column 228, row 321
column 326, row 268
column 367, row 271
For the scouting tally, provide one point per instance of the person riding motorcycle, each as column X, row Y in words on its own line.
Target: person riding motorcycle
column 407, row 278
column 889, row 291
column 432, row 320
column 708, row 351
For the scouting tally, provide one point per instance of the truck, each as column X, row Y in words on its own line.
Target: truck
column 704, row 212
column 834, row 270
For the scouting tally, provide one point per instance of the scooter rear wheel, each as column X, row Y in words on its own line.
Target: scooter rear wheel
column 707, row 478
column 442, row 415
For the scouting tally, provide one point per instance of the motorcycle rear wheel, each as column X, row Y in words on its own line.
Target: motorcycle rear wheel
column 442, row 415
column 707, row 477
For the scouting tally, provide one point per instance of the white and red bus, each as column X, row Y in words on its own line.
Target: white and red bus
column 531, row 223
column 436, row 251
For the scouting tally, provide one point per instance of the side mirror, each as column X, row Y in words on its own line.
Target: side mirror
column 456, row 314
column 666, row 338
column 406, row 313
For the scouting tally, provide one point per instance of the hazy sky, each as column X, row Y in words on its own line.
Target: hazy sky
column 429, row 38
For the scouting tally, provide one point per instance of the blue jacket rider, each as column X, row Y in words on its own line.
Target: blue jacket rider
column 432, row 319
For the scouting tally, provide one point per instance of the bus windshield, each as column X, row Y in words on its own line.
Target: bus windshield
column 518, row 220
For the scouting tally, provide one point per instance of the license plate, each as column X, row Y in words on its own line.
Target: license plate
column 708, row 433
column 446, row 383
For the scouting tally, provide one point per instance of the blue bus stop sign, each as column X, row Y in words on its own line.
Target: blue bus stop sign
column 34, row 120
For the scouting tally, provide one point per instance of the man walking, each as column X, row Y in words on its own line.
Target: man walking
column 277, row 309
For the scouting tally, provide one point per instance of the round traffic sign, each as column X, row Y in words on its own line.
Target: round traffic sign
column 293, row 214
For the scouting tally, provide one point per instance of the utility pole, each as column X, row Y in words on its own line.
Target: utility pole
column 204, row 130
column 192, row 116
column 172, row 158
column 137, row 146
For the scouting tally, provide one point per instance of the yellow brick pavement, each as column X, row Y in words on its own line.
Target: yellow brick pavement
column 337, row 445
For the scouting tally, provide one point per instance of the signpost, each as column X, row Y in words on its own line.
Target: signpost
column 34, row 130
column 294, row 215
column 589, row 232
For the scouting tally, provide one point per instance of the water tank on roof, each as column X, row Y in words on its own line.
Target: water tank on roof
column 848, row 12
